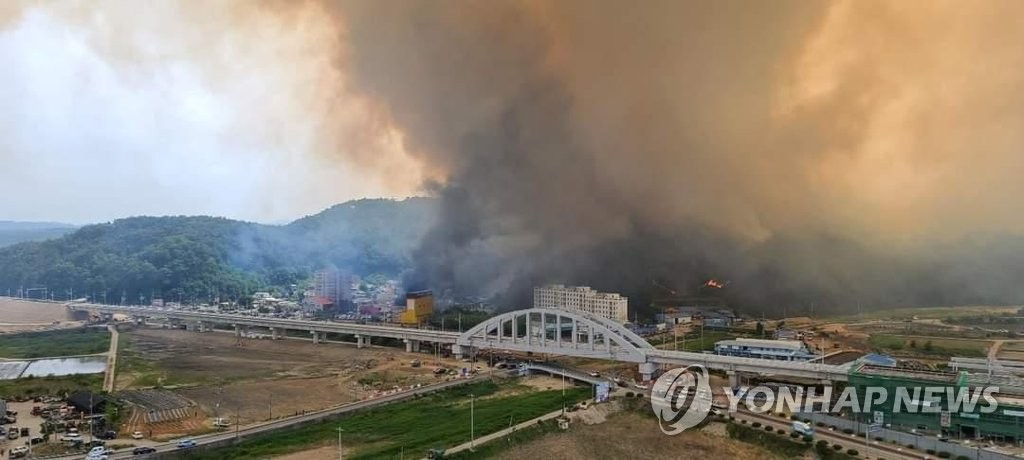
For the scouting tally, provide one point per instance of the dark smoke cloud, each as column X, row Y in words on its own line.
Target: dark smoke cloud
column 792, row 147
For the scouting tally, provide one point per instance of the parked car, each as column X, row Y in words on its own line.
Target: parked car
column 186, row 444
column 137, row 435
column 71, row 436
column 109, row 434
column 18, row 452
column 143, row 450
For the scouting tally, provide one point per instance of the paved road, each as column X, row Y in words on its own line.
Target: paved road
column 108, row 379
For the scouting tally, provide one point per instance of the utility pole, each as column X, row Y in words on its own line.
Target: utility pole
column 472, row 434
column 90, row 418
column 563, row 392
column 702, row 335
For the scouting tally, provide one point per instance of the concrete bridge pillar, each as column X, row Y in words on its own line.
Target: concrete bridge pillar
column 647, row 371
column 316, row 337
column 461, row 351
column 193, row 326
column 238, row 330
column 274, row 334
column 359, row 341
column 412, row 345
column 734, row 379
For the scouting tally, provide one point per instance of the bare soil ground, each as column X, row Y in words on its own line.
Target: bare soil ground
column 629, row 435
column 260, row 379
column 321, row 453
column 19, row 315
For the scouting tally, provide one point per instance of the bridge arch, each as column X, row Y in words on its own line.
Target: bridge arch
column 567, row 333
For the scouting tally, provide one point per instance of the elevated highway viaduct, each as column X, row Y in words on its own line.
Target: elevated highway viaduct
column 539, row 331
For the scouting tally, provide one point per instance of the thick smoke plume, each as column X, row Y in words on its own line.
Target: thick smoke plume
column 825, row 153
column 811, row 153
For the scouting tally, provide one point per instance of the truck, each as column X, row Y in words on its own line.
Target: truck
column 803, row 428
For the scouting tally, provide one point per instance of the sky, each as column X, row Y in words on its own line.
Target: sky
column 118, row 108
column 841, row 147
column 872, row 119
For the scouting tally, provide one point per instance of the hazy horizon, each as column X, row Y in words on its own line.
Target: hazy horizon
column 804, row 146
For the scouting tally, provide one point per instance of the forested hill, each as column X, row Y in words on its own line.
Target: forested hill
column 17, row 232
column 197, row 257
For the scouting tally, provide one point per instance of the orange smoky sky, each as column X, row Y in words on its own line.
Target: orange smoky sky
column 881, row 121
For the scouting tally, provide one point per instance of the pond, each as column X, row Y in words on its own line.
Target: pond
column 55, row 366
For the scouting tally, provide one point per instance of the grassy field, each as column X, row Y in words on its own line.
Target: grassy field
column 498, row 446
column 923, row 313
column 930, row 345
column 42, row 386
column 67, row 342
column 692, row 341
column 411, row 428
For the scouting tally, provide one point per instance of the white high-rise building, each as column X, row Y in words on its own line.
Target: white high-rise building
column 584, row 299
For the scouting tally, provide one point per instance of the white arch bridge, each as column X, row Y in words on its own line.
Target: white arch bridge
column 567, row 333
column 542, row 331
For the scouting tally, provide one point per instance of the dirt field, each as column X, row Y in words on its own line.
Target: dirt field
column 260, row 379
column 19, row 315
column 322, row 453
column 628, row 435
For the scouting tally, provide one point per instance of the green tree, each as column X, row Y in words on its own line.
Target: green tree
column 759, row 329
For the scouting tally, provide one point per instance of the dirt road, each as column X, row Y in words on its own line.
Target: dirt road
column 108, row 379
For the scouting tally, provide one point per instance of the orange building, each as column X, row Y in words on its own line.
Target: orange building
column 419, row 305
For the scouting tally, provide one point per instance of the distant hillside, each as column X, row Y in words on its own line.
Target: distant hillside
column 191, row 257
column 17, row 232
